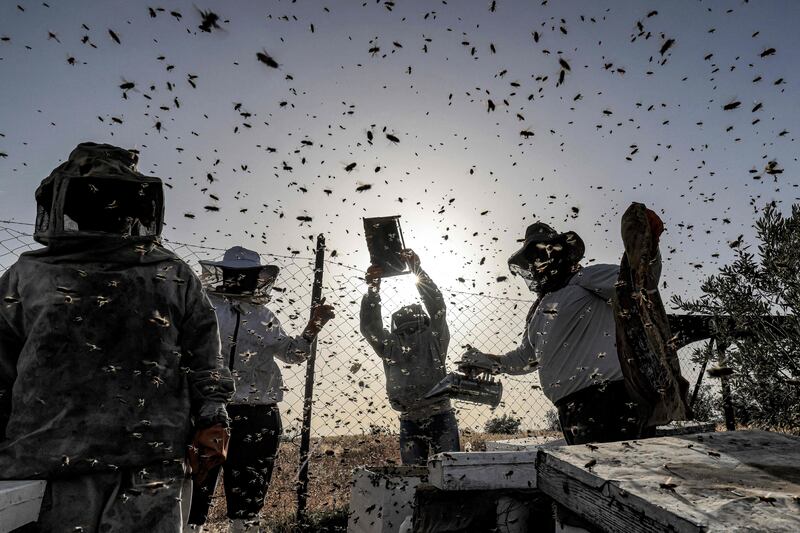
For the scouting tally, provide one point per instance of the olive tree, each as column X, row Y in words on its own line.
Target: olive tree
column 763, row 355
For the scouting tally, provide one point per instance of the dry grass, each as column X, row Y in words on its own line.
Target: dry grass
column 332, row 462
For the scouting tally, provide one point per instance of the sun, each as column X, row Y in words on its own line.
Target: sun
column 443, row 261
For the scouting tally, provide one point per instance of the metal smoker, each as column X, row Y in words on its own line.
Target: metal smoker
column 385, row 242
column 474, row 385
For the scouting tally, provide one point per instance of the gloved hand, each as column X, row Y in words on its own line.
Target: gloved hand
column 641, row 229
column 373, row 278
column 320, row 315
column 656, row 224
column 474, row 359
column 412, row 260
column 209, row 448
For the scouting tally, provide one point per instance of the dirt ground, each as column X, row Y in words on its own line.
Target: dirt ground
column 332, row 462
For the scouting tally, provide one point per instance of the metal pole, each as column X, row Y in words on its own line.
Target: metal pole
column 305, row 432
column 709, row 351
column 727, row 400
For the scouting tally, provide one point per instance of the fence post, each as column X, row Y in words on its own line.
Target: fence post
column 727, row 400
column 308, row 399
column 709, row 351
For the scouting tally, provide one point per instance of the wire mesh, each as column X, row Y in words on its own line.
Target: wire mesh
column 351, row 412
column 349, row 389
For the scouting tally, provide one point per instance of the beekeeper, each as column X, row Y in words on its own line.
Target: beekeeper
column 571, row 333
column 252, row 338
column 109, row 354
column 414, row 353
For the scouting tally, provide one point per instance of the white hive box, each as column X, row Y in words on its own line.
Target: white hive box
column 382, row 497
column 20, row 502
column 483, row 470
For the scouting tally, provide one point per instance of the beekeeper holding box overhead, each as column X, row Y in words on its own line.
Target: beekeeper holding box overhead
column 414, row 353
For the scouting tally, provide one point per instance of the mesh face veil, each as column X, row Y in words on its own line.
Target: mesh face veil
column 527, row 276
column 98, row 193
column 255, row 282
column 543, row 267
column 111, row 205
column 410, row 319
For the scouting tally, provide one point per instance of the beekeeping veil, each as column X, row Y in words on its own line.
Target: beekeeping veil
column 99, row 193
column 240, row 273
column 410, row 319
column 547, row 259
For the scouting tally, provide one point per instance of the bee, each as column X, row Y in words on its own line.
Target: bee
column 159, row 320
column 668, row 485
column 210, row 20
column 267, row 59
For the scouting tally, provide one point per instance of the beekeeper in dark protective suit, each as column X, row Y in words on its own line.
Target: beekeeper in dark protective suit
column 110, row 369
column 572, row 330
column 414, row 353
column 252, row 338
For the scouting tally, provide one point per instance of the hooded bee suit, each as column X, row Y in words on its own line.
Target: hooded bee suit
column 252, row 338
column 109, row 351
column 414, row 354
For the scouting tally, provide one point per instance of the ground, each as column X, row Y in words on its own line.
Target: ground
column 333, row 460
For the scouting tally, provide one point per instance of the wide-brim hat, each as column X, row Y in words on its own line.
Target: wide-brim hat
column 246, row 263
column 541, row 233
column 237, row 257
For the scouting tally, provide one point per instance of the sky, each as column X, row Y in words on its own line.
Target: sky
column 453, row 115
column 638, row 116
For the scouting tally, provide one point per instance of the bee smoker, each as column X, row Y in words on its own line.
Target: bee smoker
column 385, row 242
column 469, row 387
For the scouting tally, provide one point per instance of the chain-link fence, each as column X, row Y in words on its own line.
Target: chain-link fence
column 349, row 396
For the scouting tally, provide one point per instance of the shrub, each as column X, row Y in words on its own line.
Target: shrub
column 707, row 406
column 761, row 354
column 551, row 420
column 505, row 424
column 333, row 521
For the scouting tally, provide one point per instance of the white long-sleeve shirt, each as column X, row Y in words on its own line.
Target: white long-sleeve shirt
column 571, row 337
column 259, row 341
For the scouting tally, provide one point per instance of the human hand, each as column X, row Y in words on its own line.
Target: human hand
column 655, row 222
column 373, row 277
column 322, row 312
column 474, row 359
column 412, row 260
column 209, row 449
column 320, row 315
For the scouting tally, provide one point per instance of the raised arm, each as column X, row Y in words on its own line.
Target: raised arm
column 432, row 299
column 371, row 321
